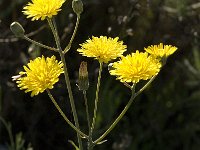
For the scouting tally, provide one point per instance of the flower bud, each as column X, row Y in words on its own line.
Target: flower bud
column 77, row 6
column 17, row 29
column 83, row 82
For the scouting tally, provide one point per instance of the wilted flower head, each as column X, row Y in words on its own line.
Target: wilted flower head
column 135, row 67
column 40, row 74
column 161, row 50
column 102, row 48
column 42, row 9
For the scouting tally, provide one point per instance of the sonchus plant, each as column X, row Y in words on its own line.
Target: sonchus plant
column 42, row 73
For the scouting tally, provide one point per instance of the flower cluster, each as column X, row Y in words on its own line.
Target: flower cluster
column 43, row 73
column 40, row 74
column 132, row 68
column 42, row 9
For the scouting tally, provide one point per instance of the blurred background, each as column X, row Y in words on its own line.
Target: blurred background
column 166, row 116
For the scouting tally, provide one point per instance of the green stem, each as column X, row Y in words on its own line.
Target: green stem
column 97, row 97
column 40, row 44
column 55, row 33
column 116, row 120
column 73, row 35
column 8, row 128
column 145, row 86
column 87, row 110
column 133, row 96
column 63, row 115
column 90, row 142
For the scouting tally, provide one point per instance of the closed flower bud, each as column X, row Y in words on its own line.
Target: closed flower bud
column 83, row 82
column 17, row 29
column 77, row 6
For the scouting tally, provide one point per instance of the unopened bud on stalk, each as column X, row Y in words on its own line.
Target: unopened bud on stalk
column 83, row 82
column 77, row 6
column 17, row 29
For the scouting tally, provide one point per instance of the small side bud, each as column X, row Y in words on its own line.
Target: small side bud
column 17, row 29
column 77, row 6
column 83, row 82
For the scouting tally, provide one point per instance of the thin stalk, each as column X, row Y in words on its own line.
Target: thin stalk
column 133, row 96
column 73, row 35
column 145, row 86
column 87, row 110
column 64, row 116
column 57, row 40
column 97, row 97
column 116, row 120
column 40, row 44
column 8, row 128
column 90, row 142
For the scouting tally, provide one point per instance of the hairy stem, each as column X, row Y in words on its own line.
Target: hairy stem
column 67, row 80
column 40, row 44
column 73, row 35
column 133, row 96
column 63, row 115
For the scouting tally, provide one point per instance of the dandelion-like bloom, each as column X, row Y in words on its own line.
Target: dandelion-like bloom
column 40, row 74
column 103, row 48
column 42, row 9
column 161, row 50
column 135, row 67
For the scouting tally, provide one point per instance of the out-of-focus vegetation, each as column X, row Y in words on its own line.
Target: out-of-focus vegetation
column 166, row 116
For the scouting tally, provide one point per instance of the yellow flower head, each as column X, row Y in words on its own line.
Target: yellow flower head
column 161, row 50
column 42, row 9
column 40, row 74
column 102, row 48
column 135, row 67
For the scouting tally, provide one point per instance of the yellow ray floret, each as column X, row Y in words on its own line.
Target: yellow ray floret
column 102, row 48
column 40, row 74
column 135, row 67
column 42, row 9
column 161, row 50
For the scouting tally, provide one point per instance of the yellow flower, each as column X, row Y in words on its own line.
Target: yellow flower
column 40, row 74
column 135, row 67
column 42, row 9
column 102, row 48
column 161, row 50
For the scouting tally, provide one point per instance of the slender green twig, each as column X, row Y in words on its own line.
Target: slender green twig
column 57, row 40
column 116, row 120
column 63, row 115
column 133, row 96
column 97, row 97
column 90, row 142
column 87, row 110
column 9, row 130
column 40, row 44
column 73, row 35
column 145, row 86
